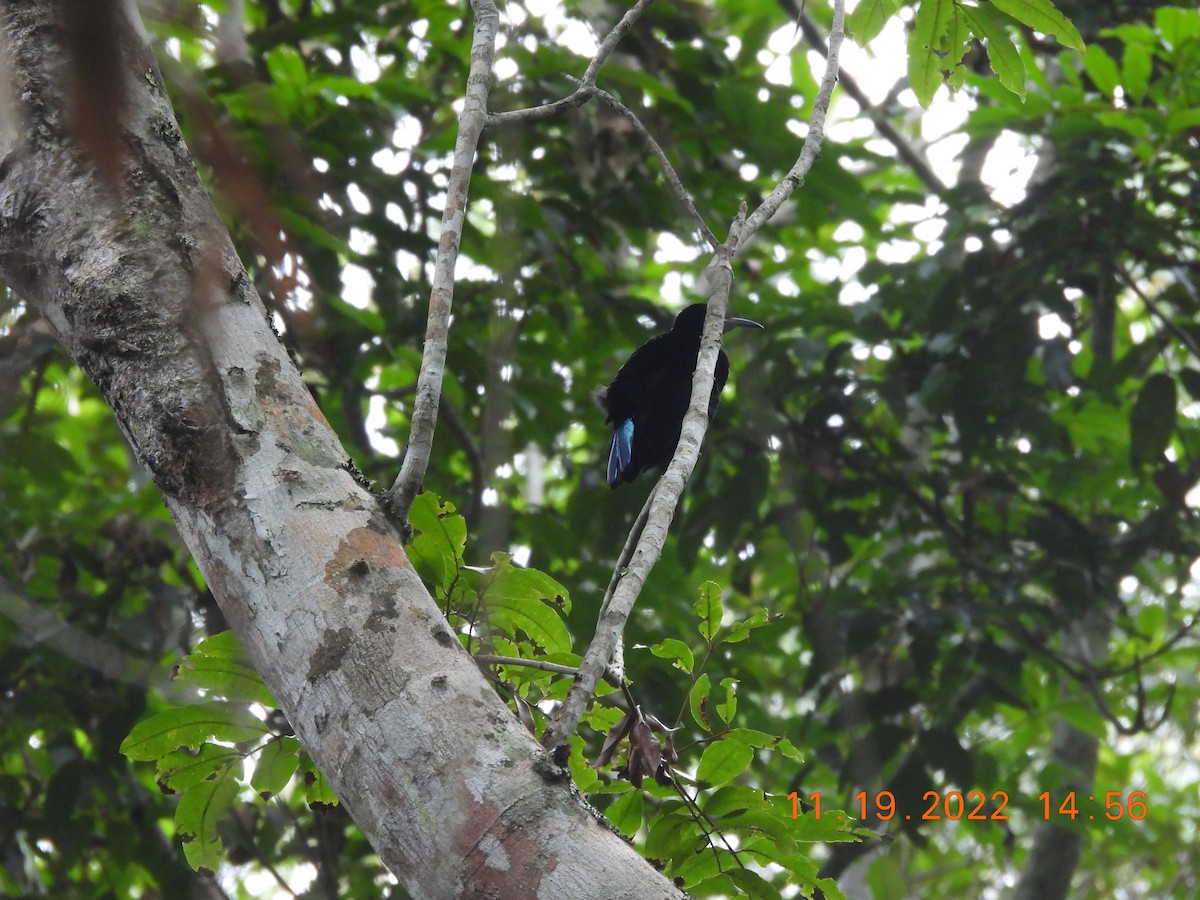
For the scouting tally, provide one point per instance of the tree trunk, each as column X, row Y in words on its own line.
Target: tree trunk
column 110, row 235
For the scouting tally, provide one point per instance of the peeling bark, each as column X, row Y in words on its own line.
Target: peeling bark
column 141, row 285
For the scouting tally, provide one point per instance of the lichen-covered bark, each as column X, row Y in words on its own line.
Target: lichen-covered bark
column 127, row 260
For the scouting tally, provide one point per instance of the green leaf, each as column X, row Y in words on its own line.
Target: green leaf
column 752, row 738
column 925, row 45
column 867, row 19
column 698, row 699
column 733, row 798
column 1083, row 716
column 1002, row 52
column 181, row 770
column 1043, row 16
column 439, row 539
column 675, row 650
column 1136, row 66
column 367, row 318
column 1101, row 69
column 304, row 227
column 1183, row 120
column 763, row 741
column 957, row 42
column 709, row 609
column 763, row 821
column 275, row 766
column 722, row 761
column 1152, row 420
column 1191, row 382
column 1176, row 26
column 886, row 877
column 698, row 867
column 583, row 773
column 190, row 726
column 740, row 630
column 219, row 666
column 1121, row 119
column 529, row 601
column 316, row 789
column 1151, row 623
column 196, row 818
column 626, row 813
column 753, row 884
column 832, row 827
column 672, row 834
column 1093, row 425
column 728, row 707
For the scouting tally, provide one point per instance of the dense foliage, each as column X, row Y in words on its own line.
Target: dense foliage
column 940, row 539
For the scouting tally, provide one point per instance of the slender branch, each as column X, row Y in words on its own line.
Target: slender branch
column 816, row 131
column 441, row 296
column 610, row 677
column 664, row 499
column 556, row 668
column 665, row 496
column 540, row 113
column 609, row 44
column 668, row 170
column 583, row 93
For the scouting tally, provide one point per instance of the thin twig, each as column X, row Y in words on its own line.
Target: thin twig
column 582, row 93
column 816, row 131
column 437, row 329
column 556, row 668
column 668, row 170
column 707, row 825
column 665, row 497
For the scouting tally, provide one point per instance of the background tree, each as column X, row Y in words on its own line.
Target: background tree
column 946, row 503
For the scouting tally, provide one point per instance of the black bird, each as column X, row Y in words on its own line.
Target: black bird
column 648, row 399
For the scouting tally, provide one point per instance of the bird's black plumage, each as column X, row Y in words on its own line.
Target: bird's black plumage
column 648, row 398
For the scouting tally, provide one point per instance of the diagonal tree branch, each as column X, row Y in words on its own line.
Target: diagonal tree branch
column 664, row 499
column 666, row 493
column 441, row 296
column 904, row 149
column 668, row 169
column 816, row 131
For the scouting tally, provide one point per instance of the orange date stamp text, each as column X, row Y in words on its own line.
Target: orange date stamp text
column 979, row 806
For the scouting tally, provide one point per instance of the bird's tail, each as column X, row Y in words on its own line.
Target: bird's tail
column 621, row 452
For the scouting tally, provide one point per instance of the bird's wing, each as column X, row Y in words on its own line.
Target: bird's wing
column 640, row 376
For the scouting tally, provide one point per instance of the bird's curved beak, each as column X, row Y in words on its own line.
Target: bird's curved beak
column 732, row 322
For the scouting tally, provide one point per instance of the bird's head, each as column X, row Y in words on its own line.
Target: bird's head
column 691, row 320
